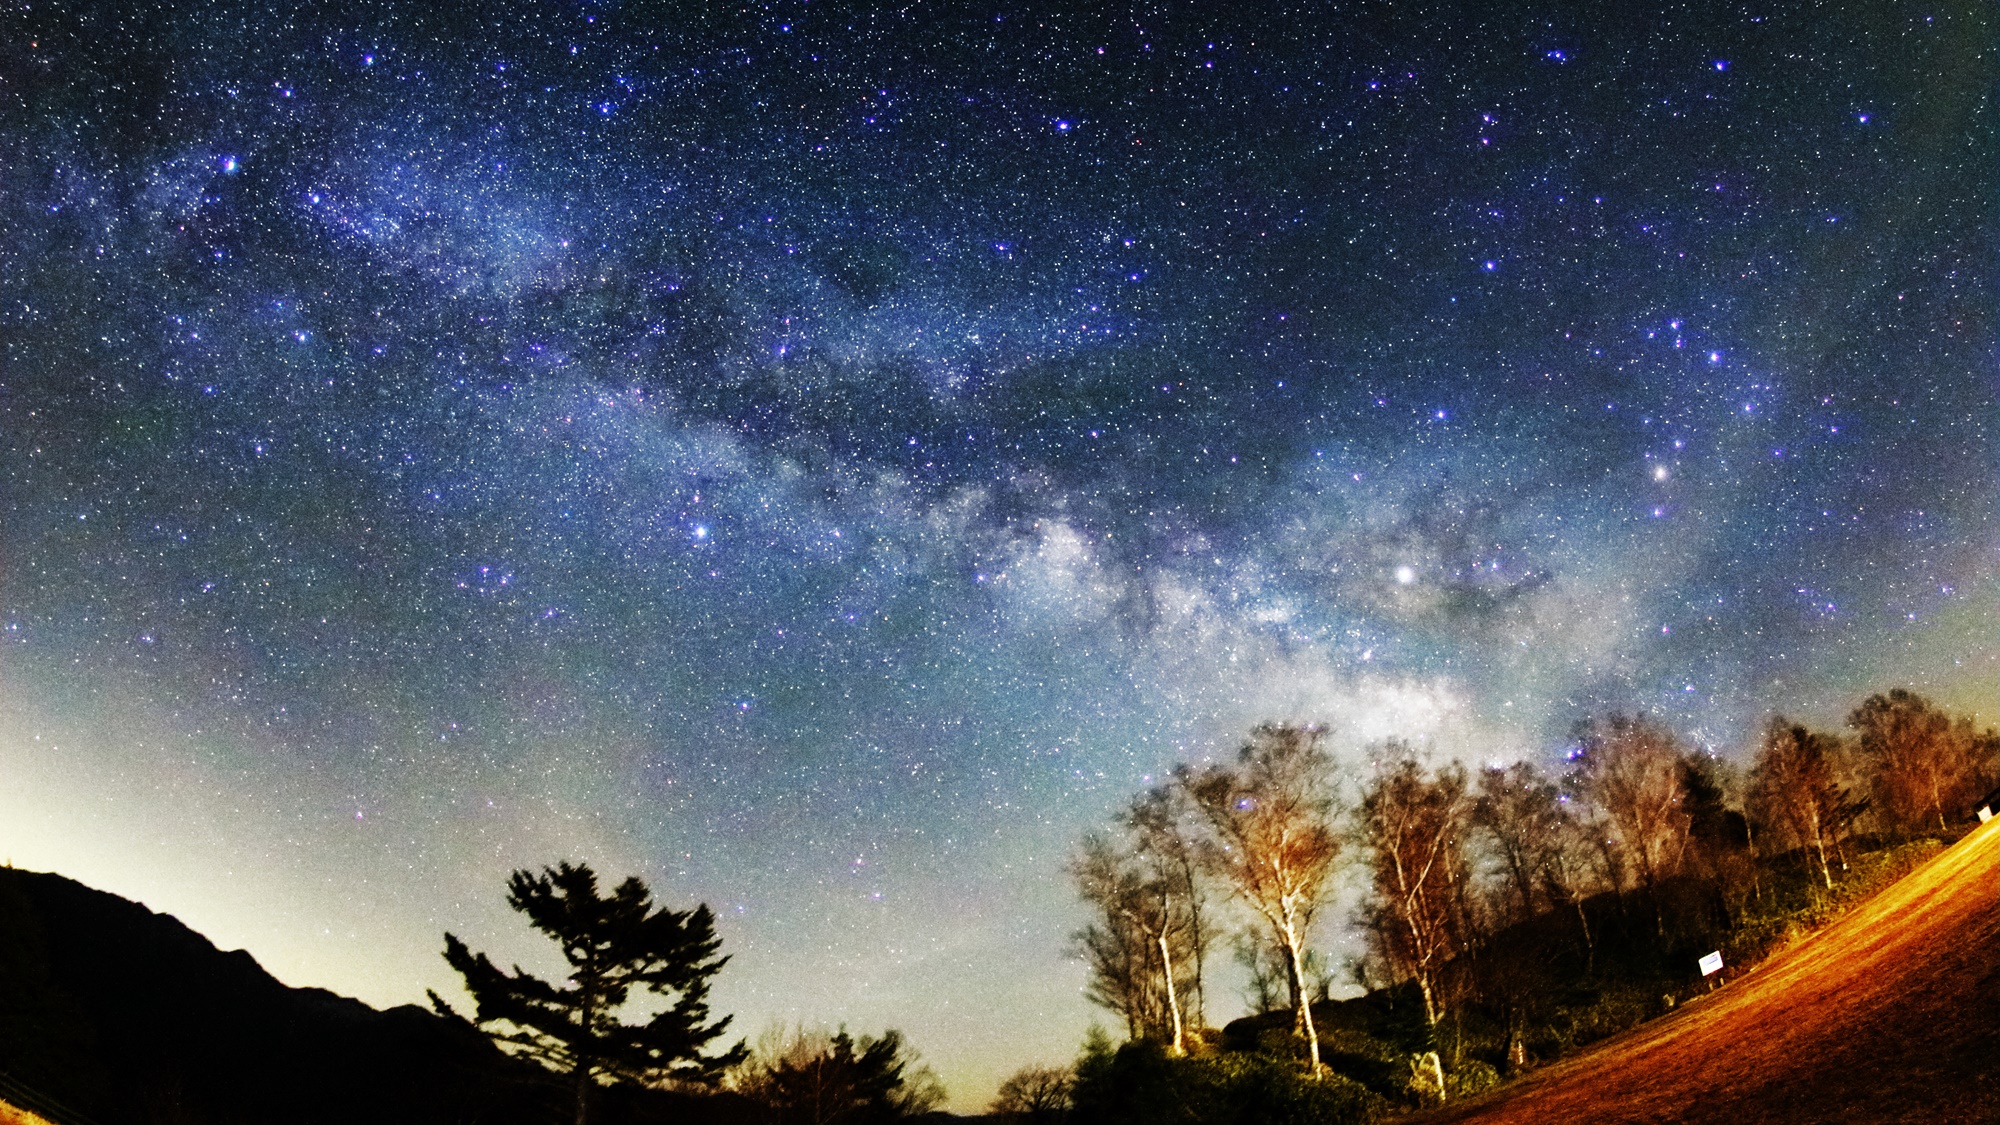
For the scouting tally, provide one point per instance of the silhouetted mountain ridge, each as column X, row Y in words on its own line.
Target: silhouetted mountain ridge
column 115, row 1015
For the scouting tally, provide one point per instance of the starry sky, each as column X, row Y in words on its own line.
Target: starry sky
column 824, row 458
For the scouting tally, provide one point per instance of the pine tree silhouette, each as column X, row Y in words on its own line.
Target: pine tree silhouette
column 614, row 945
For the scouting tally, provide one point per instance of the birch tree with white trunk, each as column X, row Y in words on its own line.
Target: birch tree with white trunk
column 1268, row 834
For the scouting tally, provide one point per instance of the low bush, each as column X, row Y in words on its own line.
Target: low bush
column 1140, row 1084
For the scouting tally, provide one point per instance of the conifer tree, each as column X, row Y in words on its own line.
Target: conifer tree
column 615, row 945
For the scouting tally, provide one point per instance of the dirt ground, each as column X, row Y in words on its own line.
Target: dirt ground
column 14, row 1115
column 1891, row 1014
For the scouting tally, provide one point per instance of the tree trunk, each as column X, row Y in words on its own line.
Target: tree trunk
column 1589, row 942
column 1756, row 866
column 1173, row 997
column 1295, row 968
column 581, row 1073
column 1430, row 1004
column 1199, row 940
column 1421, row 970
column 1653, row 896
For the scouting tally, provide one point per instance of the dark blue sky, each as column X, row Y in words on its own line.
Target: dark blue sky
column 822, row 461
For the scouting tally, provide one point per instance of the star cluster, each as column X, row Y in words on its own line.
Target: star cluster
column 822, row 457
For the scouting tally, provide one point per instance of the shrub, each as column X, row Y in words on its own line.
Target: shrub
column 1140, row 1084
column 1470, row 1077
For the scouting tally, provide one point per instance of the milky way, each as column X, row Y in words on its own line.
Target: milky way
column 822, row 461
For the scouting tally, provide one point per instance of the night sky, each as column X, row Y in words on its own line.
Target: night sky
column 822, row 460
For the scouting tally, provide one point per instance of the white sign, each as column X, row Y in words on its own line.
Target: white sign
column 1985, row 813
column 1711, row 964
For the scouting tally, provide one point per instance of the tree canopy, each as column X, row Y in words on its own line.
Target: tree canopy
column 1269, row 820
column 816, row 1077
column 615, row 945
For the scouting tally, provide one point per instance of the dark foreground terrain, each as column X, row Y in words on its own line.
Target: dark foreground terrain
column 1891, row 1014
column 111, row 1014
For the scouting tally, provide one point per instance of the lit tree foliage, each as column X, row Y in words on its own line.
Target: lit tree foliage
column 1924, row 766
column 1795, row 787
column 1269, row 824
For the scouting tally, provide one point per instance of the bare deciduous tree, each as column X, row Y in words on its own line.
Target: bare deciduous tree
column 1263, row 962
column 1572, row 871
column 1517, row 810
column 1541, row 856
column 1924, row 766
column 1629, row 768
column 1161, row 836
column 1116, row 948
column 1416, row 823
column 1034, row 1095
column 1147, row 944
column 1795, row 787
column 1269, row 821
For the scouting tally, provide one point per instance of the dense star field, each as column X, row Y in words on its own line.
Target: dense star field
column 822, row 460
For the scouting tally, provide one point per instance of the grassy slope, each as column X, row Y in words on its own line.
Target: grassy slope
column 1891, row 1014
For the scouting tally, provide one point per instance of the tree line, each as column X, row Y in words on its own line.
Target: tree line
column 1470, row 874
column 1476, row 884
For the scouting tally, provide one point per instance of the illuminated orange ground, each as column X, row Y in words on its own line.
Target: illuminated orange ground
column 1891, row 1014
column 13, row 1115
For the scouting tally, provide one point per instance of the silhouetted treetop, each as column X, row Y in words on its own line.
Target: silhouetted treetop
column 615, row 945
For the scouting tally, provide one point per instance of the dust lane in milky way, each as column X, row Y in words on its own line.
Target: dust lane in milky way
column 823, row 459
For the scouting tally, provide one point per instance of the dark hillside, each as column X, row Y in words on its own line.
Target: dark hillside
column 120, row 1016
